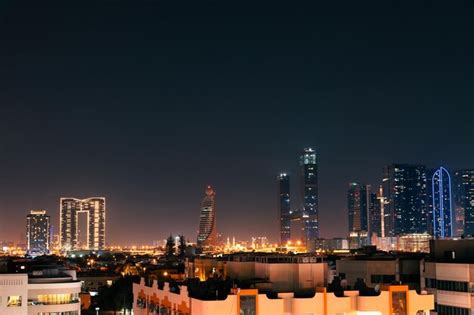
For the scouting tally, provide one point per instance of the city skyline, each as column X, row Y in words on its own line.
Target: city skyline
column 148, row 112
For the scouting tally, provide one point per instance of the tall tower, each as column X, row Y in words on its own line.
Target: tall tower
column 441, row 216
column 357, row 207
column 207, row 221
column 464, row 200
column 309, row 179
column 38, row 233
column 374, row 213
column 69, row 210
column 284, row 207
column 405, row 209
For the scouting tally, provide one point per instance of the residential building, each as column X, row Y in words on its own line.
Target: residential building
column 94, row 209
column 381, row 269
column 150, row 298
column 448, row 273
column 38, row 227
column 42, row 292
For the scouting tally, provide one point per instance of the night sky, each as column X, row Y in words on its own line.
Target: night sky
column 147, row 102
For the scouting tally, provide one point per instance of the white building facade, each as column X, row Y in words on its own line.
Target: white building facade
column 21, row 294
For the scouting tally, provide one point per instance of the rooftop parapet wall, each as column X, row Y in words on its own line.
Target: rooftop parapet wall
column 322, row 303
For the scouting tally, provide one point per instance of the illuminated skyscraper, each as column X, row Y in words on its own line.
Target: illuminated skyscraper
column 69, row 210
column 464, row 200
column 374, row 213
column 404, row 195
column 38, row 233
column 357, row 207
column 207, row 221
column 284, row 207
column 309, row 179
column 441, row 208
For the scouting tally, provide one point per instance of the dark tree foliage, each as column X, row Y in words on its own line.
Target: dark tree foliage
column 117, row 297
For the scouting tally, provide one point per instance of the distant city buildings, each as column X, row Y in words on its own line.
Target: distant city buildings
column 309, row 180
column 38, row 225
column 441, row 204
column 464, row 201
column 301, row 224
column 284, row 207
column 405, row 196
column 374, row 213
column 357, row 207
column 207, row 221
column 95, row 210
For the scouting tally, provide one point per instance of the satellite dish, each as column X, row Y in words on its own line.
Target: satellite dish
column 377, row 288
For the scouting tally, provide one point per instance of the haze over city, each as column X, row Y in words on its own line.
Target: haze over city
column 150, row 113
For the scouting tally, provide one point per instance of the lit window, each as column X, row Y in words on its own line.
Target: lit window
column 14, row 300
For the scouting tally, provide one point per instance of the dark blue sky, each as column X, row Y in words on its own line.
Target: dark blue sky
column 147, row 102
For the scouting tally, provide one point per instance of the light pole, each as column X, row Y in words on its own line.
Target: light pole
column 97, row 310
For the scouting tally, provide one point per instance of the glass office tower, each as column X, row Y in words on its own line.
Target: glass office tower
column 441, row 204
column 284, row 207
column 309, row 179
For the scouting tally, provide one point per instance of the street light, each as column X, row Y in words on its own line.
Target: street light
column 97, row 310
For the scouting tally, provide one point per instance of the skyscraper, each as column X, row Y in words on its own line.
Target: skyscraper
column 37, row 233
column 374, row 213
column 207, row 221
column 464, row 199
column 69, row 210
column 441, row 208
column 357, row 207
column 405, row 209
column 309, row 179
column 284, row 207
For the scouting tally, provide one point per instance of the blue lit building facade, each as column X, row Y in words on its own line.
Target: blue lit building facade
column 284, row 207
column 441, row 204
column 309, row 178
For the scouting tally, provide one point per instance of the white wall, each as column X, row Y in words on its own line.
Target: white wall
column 13, row 284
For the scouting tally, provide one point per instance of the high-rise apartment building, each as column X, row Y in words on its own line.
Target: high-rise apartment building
column 464, row 200
column 440, row 213
column 94, row 209
column 309, row 189
column 38, row 233
column 207, row 221
column 284, row 207
column 357, row 207
column 405, row 196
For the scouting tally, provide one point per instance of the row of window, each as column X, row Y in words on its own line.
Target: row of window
column 446, row 285
column 451, row 310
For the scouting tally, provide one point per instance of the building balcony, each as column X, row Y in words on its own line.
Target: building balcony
column 36, row 302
